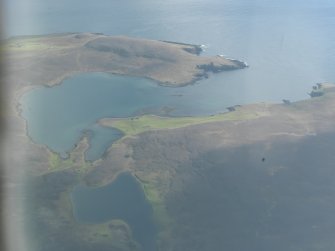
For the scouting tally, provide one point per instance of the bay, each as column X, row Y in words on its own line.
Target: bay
column 288, row 45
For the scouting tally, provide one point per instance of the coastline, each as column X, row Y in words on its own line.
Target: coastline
column 155, row 190
column 238, row 113
column 45, row 46
column 193, row 121
column 78, row 49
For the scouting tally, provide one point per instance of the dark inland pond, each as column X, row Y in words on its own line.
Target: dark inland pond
column 122, row 199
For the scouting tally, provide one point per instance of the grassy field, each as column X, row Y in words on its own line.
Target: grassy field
column 26, row 44
column 29, row 46
column 136, row 125
column 75, row 160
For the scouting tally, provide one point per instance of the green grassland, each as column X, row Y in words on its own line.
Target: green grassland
column 27, row 44
column 56, row 163
column 150, row 187
column 33, row 44
column 136, row 125
column 154, row 191
column 114, row 233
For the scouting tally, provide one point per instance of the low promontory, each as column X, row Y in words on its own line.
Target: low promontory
column 47, row 60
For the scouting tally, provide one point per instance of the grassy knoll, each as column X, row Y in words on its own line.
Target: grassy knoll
column 160, row 214
column 76, row 159
column 26, row 44
column 114, row 233
column 56, row 163
column 35, row 44
column 29, row 46
column 136, row 125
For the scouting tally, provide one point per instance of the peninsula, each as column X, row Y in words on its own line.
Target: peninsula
column 47, row 60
